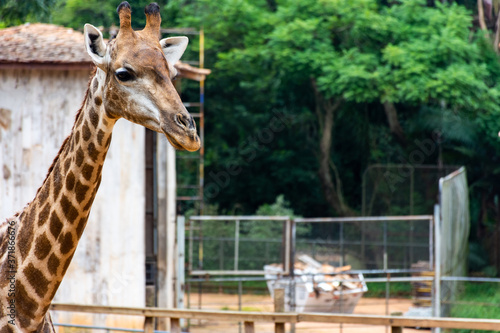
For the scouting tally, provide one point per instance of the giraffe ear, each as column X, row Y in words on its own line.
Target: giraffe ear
column 173, row 48
column 94, row 44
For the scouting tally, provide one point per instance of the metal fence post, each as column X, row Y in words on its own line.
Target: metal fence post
column 437, row 264
column 236, row 244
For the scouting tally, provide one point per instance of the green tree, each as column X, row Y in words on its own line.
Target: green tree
column 14, row 12
column 323, row 63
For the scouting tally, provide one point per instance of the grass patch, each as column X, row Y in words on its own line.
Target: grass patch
column 396, row 289
column 476, row 300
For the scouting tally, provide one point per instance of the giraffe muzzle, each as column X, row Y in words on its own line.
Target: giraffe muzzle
column 186, row 122
column 186, row 138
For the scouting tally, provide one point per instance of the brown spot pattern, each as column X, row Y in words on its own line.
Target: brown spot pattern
column 66, row 242
column 67, row 164
column 70, row 212
column 42, row 247
column 53, row 264
column 87, row 171
column 94, row 117
column 25, row 237
column 44, row 192
column 81, row 226
column 55, row 224
column 95, row 85
column 79, row 120
column 26, row 306
column 44, row 215
column 77, row 137
column 36, row 278
column 70, row 181
column 57, row 181
column 98, row 100
column 81, row 191
column 100, row 137
column 93, row 152
column 79, row 157
column 86, row 131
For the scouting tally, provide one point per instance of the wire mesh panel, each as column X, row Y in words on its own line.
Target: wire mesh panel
column 379, row 243
column 238, row 245
column 401, row 189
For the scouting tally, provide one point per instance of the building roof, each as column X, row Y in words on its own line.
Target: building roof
column 51, row 46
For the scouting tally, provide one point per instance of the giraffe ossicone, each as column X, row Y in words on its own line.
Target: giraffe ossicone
column 132, row 80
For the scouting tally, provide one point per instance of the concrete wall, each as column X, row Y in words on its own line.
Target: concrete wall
column 37, row 111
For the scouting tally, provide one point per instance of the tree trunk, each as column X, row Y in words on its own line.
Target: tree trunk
column 480, row 11
column 497, row 34
column 394, row 125
column 325, row 110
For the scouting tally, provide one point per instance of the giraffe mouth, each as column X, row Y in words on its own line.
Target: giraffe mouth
column 193, row 143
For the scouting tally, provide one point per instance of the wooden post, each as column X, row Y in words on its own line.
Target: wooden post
column 279, row 306
column 148, row 325
column 396, row 329
column 175, row 325
column 249, row 328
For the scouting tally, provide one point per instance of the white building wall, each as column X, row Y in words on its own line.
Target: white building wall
column 38, row 108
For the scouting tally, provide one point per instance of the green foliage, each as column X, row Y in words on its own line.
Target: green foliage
column 76, row 13
column 13, row 12
column 272, row 230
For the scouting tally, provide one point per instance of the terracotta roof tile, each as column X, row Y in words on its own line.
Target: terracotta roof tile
column 40, row 43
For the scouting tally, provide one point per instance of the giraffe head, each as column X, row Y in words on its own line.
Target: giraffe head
column 137, row 69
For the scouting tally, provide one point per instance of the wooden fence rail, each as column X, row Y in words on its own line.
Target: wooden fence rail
column 249, row 318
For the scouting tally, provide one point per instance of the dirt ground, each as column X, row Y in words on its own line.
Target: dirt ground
column 262, row 303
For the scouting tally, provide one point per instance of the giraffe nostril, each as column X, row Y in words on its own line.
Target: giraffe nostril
column 184, row 121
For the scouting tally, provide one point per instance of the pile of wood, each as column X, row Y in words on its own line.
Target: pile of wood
column 324, row 277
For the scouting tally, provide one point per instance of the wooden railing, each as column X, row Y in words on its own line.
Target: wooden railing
column 279, row 319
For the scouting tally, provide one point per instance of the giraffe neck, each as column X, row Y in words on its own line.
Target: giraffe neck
column 49, row 228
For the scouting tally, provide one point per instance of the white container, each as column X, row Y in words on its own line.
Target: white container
column 309, row 299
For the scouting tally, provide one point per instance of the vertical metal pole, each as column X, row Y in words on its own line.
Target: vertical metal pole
column 190, row 246
column 342, row 254
column 221, row 262
column 342, row 263
column 287, row 240
column 363, row 241
column 388, row 275
column 412, row 227
column 292, row 270
column 180, row 281
column 437, row 261
column 240, row 292
column 431, row 244
column 171, row 216
column 190, row 267
column 202, row 122
column 236, row 244
column 412, row 185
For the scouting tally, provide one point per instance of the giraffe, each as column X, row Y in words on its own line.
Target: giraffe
column 132, row 80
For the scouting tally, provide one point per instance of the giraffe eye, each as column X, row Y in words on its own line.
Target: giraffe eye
column 123, row 75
